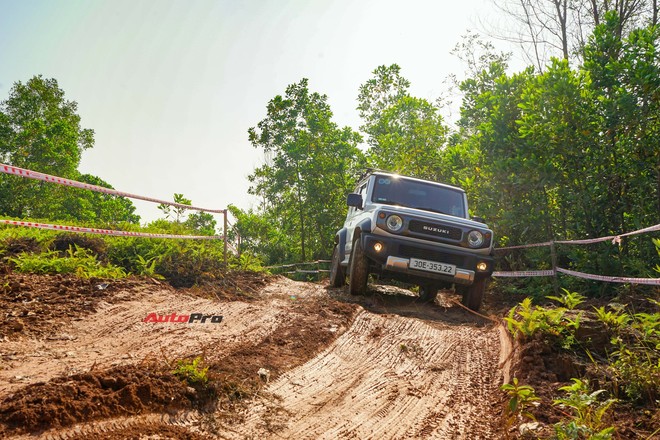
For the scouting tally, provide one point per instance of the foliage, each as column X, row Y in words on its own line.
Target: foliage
column 14, row 241
column 192, row 371
column 311, row 164
column 147, row 267
column 632, row 369
column 198, row 222
column 635, row 360
column 260, row 235
column 176, row 211
column 40, row 130
column 526, row 320
column 93, row 207
column 15, row 245
column 587, row 413
column 560, row 28
column 570, row 300
column 614, row 319
column 537, row 172
column 201, row 223
column 190, row 263
column 78, row 261
column 183, row 263
column 65, row 241
column 247, row 262
column 382, row 91
column 405, row 133
column 521, row 397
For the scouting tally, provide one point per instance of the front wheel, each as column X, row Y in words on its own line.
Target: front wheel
column 337, row 272
column 474, row 294
column 359, row 270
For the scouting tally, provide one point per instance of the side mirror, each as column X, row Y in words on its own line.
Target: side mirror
column 354, row 200
column 478, row 219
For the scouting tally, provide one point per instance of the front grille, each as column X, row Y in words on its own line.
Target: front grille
column 427, row 254
column 435, row 229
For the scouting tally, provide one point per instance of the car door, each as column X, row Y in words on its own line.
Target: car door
column 353, row 218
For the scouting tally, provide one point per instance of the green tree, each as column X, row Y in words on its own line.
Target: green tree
column 311, row 164
column 93, row 207
column 408, row 138
column 175, row 211
column 567, row 153
column 261, row 236
column 405, row 133
column 201, row 222
column 379, row 93
column 39, row 129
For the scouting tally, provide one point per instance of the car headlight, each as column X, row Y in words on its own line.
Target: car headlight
column 475, row 239
column 394, row 223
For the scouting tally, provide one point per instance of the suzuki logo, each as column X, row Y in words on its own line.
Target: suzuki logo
column 436, row 230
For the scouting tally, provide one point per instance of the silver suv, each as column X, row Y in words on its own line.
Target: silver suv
column 415, row 231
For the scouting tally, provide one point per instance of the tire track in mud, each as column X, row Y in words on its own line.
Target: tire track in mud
column 389, row 377
column 116, row 335
column 111, row 427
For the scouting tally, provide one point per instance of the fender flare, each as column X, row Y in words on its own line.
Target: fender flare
column 363, row 226
column 340, row 241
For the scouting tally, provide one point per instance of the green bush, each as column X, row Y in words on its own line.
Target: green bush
column 526, row 320
column 183, row 263
column 96, row 245
column 78, row 261
column 587, row 412
column 191, row 371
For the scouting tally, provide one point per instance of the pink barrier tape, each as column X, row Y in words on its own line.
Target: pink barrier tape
column 614, row 238
column 80, row 229
column 8, row 169
column 641, row 231
column 525, row 273
column 297, row 264
column 524, row 246
column 588, row 276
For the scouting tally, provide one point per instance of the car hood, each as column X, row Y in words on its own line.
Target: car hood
column 433, row 216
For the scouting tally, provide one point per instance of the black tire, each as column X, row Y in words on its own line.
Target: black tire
column 337, row 272
column 474, row 294
column 427, row 293
column 359, row 270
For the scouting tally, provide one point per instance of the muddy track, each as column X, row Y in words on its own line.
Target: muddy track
column 381, row 367
column 389, row 377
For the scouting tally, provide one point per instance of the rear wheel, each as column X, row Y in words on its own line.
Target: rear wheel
column 474, row 294
column 427, row 293
column 337, row 272
column 359, row 270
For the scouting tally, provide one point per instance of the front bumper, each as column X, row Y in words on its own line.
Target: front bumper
column 395, row 255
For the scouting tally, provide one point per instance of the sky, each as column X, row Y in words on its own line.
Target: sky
column 171, row 87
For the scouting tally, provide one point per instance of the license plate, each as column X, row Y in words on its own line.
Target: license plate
column 432, row 266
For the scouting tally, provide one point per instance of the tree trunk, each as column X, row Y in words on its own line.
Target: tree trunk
column 561, row 7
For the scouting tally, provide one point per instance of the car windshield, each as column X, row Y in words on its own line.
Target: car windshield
column 412, row 194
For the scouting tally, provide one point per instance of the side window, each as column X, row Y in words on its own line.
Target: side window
column 362, row 190
column 363, row 193
column 351, row 209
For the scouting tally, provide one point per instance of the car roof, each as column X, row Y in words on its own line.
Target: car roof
column 398, row 176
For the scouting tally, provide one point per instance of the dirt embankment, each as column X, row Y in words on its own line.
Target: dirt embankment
column 294, row 360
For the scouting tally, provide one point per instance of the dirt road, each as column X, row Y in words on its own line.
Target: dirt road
column 332, row 366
